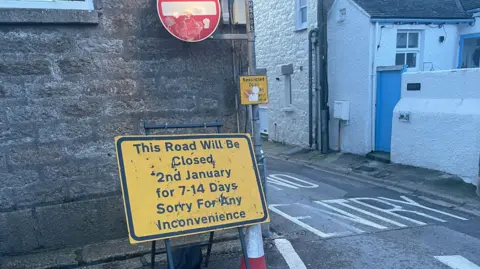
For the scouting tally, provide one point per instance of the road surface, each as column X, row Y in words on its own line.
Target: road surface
column 329, row 221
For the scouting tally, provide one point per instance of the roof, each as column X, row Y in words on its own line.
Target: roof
column 470, row 4
column 428, row 9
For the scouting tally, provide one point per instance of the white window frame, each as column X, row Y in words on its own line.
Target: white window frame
column 48, row 4
column 299, row 25
column 417, row 50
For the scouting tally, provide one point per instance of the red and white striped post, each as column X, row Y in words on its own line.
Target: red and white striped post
column 255, row 251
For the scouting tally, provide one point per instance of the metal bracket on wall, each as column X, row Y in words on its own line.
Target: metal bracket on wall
column 230, row 36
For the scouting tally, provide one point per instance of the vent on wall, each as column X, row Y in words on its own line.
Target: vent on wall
column 342, row 15
column 414, row 86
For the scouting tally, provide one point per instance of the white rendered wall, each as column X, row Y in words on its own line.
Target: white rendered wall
column 349, row 68
column 434, row 54
column 444, row 128
column 471, row 29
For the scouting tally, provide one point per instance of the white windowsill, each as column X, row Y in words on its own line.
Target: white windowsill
column 64, row 5
column 288, row 109
column 48, row 16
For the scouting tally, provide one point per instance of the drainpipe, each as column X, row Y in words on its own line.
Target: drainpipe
column 311, row 36
column 322, row 92
column 374, row 46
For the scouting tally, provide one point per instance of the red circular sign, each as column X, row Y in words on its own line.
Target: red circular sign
column 189, row 20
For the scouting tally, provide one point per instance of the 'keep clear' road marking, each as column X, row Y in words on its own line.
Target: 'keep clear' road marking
column 344, row 212
column 289, row 254
column 289, row 182
column 457, row 262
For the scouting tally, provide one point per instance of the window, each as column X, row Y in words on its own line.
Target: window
column 470, row 51
column 48, row 4
column 342, row 15
column 301, row 17
column 288, row 91
column 408, row 49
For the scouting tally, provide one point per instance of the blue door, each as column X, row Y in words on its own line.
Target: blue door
column 389, row 85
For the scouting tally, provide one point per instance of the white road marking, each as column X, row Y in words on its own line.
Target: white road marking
column 307, row 227
column 348, row 216
column 341, row 217
column 273, row 186
column 390, row 211
column 335, row 219
column 411, row 202
column 277, row 182
column 457, row 262
column 294, row 181
column 289, row 254
column 344, row 202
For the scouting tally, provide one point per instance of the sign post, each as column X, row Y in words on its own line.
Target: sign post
column 189, row 20
column 254, row 233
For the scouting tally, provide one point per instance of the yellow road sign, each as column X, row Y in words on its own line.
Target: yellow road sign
column 254, row 90
column 181, row 185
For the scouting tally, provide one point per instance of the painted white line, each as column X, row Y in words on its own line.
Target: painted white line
column 344, row 202
column 307, row 227
column 335, row 219
column 289, row 254
column 290, row 180
column 395, row 208
column 351, row 217
column 409, row 201
column 277, row 182
column 457, row 262
column 273, row 186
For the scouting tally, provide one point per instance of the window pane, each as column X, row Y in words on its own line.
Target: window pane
column 400, row 59
column 303, row 14
column 413, row 40
column 303, row 3
column 402, row 40
column 411, row 60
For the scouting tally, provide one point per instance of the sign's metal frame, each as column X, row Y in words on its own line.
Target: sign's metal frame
column 148, row 129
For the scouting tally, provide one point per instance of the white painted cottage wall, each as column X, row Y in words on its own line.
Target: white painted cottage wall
column 444, row 128
column 440, row 56
column 349, row 69
column 277, row 43
column 471, row 29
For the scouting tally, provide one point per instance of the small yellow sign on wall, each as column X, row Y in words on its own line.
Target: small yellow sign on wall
column 181, row 185
column 254, row 90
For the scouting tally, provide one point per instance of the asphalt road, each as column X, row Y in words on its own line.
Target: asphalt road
column 334, row 222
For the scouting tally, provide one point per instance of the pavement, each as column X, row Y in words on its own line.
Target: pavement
column 327, row 211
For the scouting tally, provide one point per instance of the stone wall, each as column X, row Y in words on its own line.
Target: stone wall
column 67, row 88
column 279, row 42
column 281, row 45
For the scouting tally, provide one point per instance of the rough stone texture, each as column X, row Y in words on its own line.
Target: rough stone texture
column 16, row 225
column 15, row 16
column 280, row 45
column 67, row 89
column 77, row 223
column 43, row 260
column 135, row 263
column 113, row 248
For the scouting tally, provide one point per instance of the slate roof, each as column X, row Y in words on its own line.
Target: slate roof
column 471, row 4
column 428, row 9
